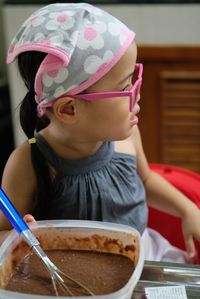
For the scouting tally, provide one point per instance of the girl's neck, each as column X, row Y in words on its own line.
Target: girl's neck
column 70, row 148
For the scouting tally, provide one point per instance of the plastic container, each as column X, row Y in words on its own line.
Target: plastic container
column 57, row 234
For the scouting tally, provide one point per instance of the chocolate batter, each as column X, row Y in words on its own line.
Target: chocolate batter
column 102, row 273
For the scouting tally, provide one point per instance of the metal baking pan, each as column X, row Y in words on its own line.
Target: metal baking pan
column 156, row 274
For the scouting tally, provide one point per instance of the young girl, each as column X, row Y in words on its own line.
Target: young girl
column 84, row 157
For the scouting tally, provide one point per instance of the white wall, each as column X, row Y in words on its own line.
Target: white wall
column 153, row 24
column 2, row 49
column 161, row 24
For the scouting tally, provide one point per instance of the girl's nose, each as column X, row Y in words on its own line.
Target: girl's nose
column 138, row 97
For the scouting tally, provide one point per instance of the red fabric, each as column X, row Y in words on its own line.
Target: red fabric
column 169, row 226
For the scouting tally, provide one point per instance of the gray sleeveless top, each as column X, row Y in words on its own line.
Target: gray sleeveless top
column 103, row 187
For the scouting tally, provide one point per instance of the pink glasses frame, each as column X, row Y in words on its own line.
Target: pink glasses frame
column 132, row 93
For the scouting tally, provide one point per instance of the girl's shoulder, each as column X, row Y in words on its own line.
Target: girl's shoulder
column 21, row 155
column 19, row 164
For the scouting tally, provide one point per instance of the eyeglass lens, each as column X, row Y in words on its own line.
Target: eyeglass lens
column 136, row 87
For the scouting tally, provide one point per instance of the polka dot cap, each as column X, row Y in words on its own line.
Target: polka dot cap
column 82, row 43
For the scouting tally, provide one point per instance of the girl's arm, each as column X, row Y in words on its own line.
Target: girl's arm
column 165, row 197
column 19, row 182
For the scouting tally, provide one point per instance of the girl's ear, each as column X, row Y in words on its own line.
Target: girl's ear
column 65, row 110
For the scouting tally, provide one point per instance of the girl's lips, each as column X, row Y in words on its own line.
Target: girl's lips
column 134, row 120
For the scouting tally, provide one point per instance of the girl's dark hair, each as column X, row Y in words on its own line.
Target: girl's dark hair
column 28, row 64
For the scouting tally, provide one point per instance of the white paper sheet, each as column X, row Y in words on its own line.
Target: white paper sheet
column 171, row 292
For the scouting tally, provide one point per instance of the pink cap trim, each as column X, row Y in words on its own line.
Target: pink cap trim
column 39, row 47
column 47, row 65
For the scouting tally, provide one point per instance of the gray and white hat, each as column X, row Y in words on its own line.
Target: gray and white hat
column 82, row 43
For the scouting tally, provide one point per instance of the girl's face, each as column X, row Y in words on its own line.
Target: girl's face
column 110, row 119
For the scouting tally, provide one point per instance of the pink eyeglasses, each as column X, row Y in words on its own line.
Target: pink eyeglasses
column 133, row 93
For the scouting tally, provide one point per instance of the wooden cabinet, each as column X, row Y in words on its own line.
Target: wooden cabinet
column 170, row 105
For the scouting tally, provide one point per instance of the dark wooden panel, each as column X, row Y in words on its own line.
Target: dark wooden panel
column 180, row 98
column 170, row 105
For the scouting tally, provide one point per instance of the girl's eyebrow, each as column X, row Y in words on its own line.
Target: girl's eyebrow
column 126, row 78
